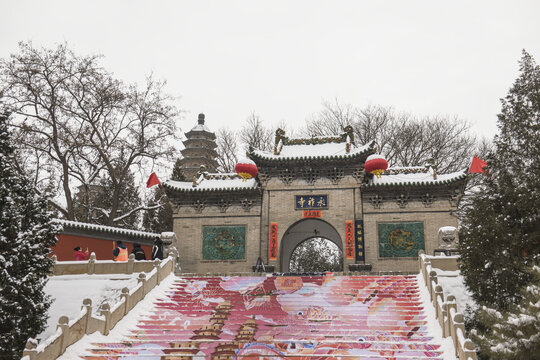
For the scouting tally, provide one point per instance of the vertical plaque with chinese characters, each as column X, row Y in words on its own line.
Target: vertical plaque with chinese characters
column 311, row 202
column 359, row 236
column 273, row 241
column 349, row 239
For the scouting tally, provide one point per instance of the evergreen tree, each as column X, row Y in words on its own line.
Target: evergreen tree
column 500, row 234
column 160, row 220
column 128, row 200
column 514, row 334
column 178, row 172
column 315, row 255
column 26, row 234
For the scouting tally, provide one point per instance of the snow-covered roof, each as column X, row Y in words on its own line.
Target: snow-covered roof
column 419, row 178
column 213, row 182
column 105, row 229
column 330, row 150
column 201, row 127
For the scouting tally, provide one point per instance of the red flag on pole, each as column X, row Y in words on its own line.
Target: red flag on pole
column 477, row 165
column 152, row 180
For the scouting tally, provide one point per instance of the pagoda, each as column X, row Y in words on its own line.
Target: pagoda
column 200, row 149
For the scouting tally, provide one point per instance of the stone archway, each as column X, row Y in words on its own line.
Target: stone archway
column 303, row 230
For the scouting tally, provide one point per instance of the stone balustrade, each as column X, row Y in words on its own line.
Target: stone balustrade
column 450, row 320
column 70, row 331
column 93, row 266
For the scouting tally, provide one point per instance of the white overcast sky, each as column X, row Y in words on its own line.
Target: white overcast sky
column 281, row 59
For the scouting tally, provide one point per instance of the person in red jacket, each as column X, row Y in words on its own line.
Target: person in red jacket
column 79, row 255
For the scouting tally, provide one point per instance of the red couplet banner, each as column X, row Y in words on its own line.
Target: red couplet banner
column 273, row 241
column 349, row 239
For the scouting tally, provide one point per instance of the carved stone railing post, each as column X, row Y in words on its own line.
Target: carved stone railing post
column 63, row 324
column 30, row 349
column 449, row 305
column 92, row 264
column 125, row 296
column 438, row 293
column 432, row 279
column 106, row 312
column 157, row 263
column 87, row 303
column 130, row 264
column 52, row 269
column 142, row 279
column 470, row 350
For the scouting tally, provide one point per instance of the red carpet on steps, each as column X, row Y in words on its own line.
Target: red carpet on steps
column 299, row 317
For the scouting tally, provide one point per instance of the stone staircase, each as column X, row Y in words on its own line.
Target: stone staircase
column 299, row 317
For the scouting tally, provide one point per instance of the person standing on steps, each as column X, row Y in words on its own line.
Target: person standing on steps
column 120, row 253
column 138, row 252
column 157, row 249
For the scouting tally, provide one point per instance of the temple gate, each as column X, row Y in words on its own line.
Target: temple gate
column 309, row 186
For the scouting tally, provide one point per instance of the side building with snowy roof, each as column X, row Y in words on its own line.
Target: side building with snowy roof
column 308, row 188
column 99, row 239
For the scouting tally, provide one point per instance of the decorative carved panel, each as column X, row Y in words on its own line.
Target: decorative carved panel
column 264, row 177
column 402, row 200
column 359, row 174
column 428, row 199
column 223, row 205
column 454, row 198
column 335, row 175
column 247, row 204
column 287, row 176
column 199, row 205
column 376, row 201
column 311, row 175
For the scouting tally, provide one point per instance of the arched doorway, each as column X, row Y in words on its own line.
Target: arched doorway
column 316, row 254
column 301, row 231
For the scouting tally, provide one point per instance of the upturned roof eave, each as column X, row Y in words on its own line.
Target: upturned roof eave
column 197, row 189
column 457, row 179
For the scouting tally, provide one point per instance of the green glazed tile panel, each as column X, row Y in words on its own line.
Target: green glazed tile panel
column 224, row 242
column 400, row 239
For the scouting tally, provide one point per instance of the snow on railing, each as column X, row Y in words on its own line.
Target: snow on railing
column 93, row 266
column 70, row 331
column 451, row 321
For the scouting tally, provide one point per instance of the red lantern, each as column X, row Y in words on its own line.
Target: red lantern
column 376, row 164
column 246, row 169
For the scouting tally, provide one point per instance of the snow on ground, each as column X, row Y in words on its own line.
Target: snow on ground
column 433, row 327
column 129, row 322
column 69, row 291
column 453, row 283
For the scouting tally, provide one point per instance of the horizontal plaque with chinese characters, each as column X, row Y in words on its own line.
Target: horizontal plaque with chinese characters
column 311, row 202
column 312, row 214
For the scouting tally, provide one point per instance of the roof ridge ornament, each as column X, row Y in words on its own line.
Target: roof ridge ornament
column 278, row 142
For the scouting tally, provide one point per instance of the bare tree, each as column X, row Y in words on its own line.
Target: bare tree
column 74, row 115
column 227, row 149
column 331, row 119
column 402, row 138
column 255, row 134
